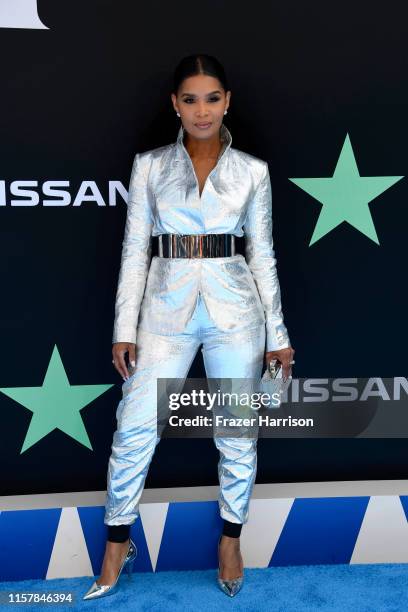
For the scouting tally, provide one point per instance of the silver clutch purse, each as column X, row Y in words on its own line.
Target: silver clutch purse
column 273, row 384
column 275, row 368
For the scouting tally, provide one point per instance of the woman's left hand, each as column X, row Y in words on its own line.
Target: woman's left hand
column 284, row 356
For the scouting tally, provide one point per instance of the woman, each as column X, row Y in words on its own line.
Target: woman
column 194, row 195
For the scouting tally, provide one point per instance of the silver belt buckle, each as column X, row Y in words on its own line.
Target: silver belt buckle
column 197, row 245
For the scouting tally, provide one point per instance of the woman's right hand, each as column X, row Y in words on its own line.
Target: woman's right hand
column 119, row 349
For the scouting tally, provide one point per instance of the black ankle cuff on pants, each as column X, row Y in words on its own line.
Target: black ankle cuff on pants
column 232, row 530
column 118, row 533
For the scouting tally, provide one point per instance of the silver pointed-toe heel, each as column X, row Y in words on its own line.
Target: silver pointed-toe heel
column 102, row 590
column 229, row 587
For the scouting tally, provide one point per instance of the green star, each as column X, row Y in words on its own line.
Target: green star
column 345, row 195
column 55, row 405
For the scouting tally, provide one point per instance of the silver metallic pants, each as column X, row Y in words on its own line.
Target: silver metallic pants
column 237, row 354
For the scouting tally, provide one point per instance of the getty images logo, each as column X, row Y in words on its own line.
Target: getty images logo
column 20, row 14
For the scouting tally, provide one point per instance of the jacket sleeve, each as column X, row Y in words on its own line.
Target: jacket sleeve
column 260, row 257
column 136, row 255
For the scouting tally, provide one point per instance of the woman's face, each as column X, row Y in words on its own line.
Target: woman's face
column 201, row 102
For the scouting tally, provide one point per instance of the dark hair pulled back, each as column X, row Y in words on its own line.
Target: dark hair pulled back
column 199, row 63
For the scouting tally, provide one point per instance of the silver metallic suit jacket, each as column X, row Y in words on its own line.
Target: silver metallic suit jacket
column 159, row 294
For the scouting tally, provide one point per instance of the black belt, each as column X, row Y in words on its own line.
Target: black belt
column 196, row 245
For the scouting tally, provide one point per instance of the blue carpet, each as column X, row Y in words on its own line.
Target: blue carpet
column 360, row 587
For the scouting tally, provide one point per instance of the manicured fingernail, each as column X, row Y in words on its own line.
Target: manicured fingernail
column 132, row 363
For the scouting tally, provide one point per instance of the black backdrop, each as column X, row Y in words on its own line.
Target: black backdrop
column 81, row 97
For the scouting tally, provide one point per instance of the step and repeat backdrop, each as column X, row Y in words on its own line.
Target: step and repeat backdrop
column 320, row 92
